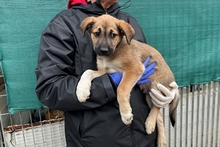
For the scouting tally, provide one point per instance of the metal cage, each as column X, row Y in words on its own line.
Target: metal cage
column 197, row 122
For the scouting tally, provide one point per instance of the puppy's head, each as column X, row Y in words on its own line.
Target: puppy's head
column 106, row 33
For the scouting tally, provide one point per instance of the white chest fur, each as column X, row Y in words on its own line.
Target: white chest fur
column 109, row 66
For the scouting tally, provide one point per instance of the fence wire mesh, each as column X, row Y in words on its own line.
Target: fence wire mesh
column 197, row 117
column 197, row 122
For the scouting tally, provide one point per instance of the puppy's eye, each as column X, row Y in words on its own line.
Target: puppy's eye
column 96, row 34
column 112, row 35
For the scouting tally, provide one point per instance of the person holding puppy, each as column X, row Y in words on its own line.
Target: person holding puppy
column 64, row 55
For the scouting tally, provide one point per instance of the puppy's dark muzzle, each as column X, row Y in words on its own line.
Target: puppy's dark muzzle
column 104, row 51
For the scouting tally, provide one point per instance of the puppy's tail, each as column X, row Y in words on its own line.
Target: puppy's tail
column 173, row 108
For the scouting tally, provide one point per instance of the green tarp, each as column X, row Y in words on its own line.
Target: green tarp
column 21, row 23
column 187, row 33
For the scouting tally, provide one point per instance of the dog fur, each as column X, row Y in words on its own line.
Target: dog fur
column 118, row 52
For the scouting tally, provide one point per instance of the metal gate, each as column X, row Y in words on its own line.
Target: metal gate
column 197, row 117
column 197, row 122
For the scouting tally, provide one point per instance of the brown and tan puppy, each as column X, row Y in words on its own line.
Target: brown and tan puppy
column 53, row 114
column 118, row 52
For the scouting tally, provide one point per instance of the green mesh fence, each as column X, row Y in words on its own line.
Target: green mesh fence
column 21, row 24
column 187, row 33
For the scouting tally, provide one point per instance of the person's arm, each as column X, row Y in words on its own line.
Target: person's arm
column 56, row 76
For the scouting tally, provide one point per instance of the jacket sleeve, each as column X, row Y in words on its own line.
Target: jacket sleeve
column 55, row 72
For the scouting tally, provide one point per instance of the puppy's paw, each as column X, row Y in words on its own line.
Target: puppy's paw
column 127, row 118
column 83, row 90
column 161, row 142
column 150, row 125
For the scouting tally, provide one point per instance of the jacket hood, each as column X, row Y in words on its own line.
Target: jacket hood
column 75, row 2
column 96, row 8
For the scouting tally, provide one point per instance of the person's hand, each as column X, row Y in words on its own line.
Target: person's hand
column 149, row 70
column 116, row 78
column 160, row 100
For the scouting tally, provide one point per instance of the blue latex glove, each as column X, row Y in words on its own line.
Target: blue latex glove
column 149, row 69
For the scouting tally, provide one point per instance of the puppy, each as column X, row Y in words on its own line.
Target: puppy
column 118, row 52
column 53, row 114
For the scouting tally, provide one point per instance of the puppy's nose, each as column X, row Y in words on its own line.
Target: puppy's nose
column 104, row 50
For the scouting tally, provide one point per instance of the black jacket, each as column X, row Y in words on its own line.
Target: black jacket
column 63, row 56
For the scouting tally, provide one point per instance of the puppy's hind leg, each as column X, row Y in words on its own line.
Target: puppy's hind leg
column 161, row 140
column 151, row 120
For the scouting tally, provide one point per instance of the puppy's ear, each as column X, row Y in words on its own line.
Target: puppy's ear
column 127, row 30
column 87, row 24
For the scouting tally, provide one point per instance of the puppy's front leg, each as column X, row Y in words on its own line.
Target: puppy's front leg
column 128, row 81
column 83, row 87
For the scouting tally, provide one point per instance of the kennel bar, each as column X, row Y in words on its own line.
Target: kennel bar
column 197, row 123
column 45, row 133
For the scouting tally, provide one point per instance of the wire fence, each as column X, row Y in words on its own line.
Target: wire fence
column 197, row 122
column 197, row 117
